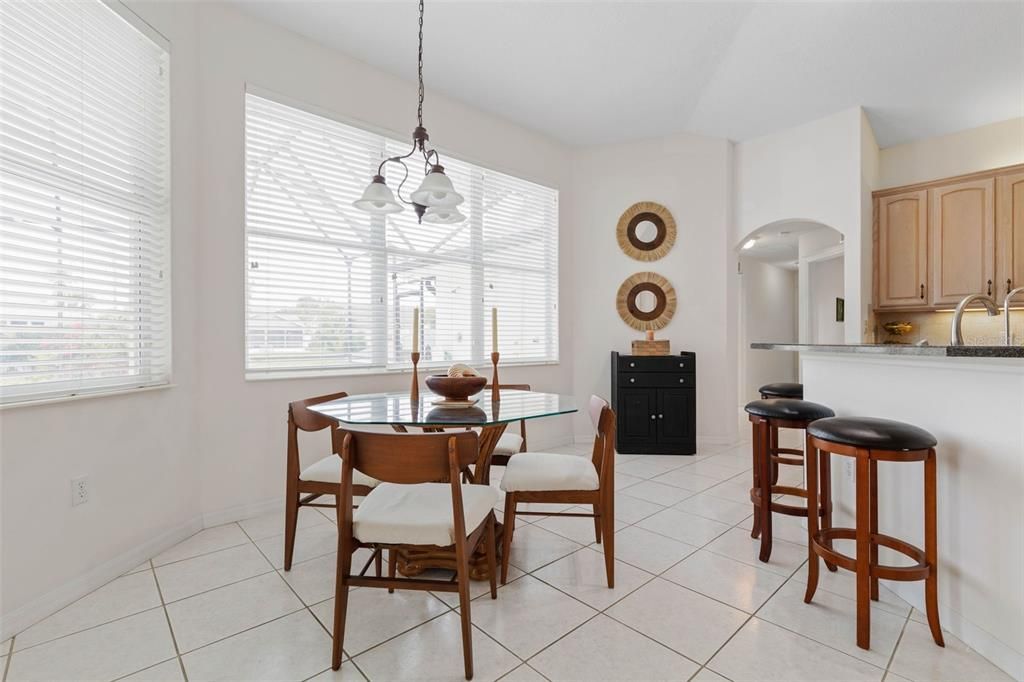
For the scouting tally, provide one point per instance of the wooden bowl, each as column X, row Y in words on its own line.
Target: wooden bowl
column 455, row 388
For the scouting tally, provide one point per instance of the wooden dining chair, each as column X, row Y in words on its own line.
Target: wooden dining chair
column 420, row 503
column 509, row 443
column 567, row 479
column 305, row 486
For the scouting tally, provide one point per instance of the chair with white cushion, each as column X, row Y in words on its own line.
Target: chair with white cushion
column 323, row 477
column 420, row 503
column 567, row 479
column 510, row 443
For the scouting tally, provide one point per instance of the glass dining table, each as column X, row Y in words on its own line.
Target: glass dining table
column 402, row 413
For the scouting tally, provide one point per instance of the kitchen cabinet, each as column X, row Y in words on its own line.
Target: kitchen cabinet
column 939, row 241
column 655, row 402
column 961, row 219
column 902, row 265
column 1009, row 233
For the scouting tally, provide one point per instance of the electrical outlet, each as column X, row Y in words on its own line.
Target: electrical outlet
column 79, row 491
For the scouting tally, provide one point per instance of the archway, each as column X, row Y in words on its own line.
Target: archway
column 791, row 289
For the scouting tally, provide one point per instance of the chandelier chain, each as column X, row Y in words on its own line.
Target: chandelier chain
column 419, row 109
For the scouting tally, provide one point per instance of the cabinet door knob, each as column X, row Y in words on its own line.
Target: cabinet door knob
column 653, row 417
column 632, row 364
column 661, row 416
column 681, row 364
column 682, row 381
column 632, row 380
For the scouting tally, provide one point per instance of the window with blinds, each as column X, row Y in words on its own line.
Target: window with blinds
column 331, row 288
column 84, row 202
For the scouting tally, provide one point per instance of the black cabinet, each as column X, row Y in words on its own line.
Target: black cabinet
column 655, row 400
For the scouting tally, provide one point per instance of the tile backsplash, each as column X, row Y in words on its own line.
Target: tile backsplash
column 978, row 328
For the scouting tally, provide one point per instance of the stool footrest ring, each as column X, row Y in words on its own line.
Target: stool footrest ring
column 822, row 545
column 780, row 507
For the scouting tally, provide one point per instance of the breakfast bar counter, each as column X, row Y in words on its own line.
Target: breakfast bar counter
column 972, row 399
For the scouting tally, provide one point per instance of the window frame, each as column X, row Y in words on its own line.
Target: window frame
column 18, row 396
column 261, row 374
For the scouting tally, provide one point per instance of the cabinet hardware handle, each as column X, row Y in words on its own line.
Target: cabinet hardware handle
column 922, row 292
column 990, row 287
column 682, row 381
column 682, row 364
column 632, row 364
column 661, row 416
column 1008, row 283
column 632, row 380
column 653, row 417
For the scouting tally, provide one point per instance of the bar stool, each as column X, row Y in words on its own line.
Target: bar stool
column 782, row 390
column 871, row 441
column 767, row 416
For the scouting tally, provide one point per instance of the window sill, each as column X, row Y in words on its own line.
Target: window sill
column 84, row 396
column 375, row 371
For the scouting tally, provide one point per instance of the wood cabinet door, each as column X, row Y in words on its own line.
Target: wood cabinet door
column 963, row 250
column 675, row 416
column 1010, row 233
column 903, row 250
column 637, row 414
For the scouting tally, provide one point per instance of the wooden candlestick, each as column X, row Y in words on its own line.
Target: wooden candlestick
column 414, row 392
column 495, row 392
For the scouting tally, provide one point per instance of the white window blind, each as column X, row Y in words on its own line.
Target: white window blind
column 84, row 202
column 329, row 287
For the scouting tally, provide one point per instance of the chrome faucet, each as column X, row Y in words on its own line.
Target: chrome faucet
column 1006, row 313
column 956, row 337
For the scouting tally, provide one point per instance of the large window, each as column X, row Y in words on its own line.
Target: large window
column 84, row 202
column 329, row 287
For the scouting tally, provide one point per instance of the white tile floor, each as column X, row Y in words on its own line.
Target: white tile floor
column 692, row 602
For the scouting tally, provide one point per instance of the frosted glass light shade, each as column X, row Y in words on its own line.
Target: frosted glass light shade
column 378, row 198
column 442, row 215
column 437, row 190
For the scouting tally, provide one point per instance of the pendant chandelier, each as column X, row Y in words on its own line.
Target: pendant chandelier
column 435, row 200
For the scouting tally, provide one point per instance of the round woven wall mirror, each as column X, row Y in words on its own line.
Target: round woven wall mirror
column 645, row 301
column 646, row 231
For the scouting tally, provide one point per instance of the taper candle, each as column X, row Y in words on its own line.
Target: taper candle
column 415, row 330
column 494, row 330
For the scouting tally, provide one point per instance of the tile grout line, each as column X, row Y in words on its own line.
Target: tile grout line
column 896, row 646
column 170, row 628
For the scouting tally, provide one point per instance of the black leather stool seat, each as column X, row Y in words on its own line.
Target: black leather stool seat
column 782, row 390
column 788, row 408
column 872, row 433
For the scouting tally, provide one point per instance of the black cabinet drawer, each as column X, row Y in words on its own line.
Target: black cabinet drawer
column 656, row 363
column 654, row 380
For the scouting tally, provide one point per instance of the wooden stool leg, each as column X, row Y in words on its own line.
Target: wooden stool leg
column 863, row 550
column 506, row 538
column 755, row 468
column 931, row 583
column 825, row 485
column 811, row 460
column 773, row 452
column 873, row 468
column 765, row 478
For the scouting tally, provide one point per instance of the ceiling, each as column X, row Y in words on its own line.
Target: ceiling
column 593, row 72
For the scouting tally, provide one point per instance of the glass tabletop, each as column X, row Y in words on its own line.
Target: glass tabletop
column 396, row 409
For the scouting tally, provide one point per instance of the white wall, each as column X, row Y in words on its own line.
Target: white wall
column 139, row 450
column 768, row 312
column 825, row 285
column 812, row 172
column 977, row 149
column 690, row 175
column 241, row 429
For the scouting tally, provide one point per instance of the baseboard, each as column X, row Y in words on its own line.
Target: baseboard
column 31, row 613
column 998, row 653
column 241, row 512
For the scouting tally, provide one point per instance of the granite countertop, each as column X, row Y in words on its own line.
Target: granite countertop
column 900, row 349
